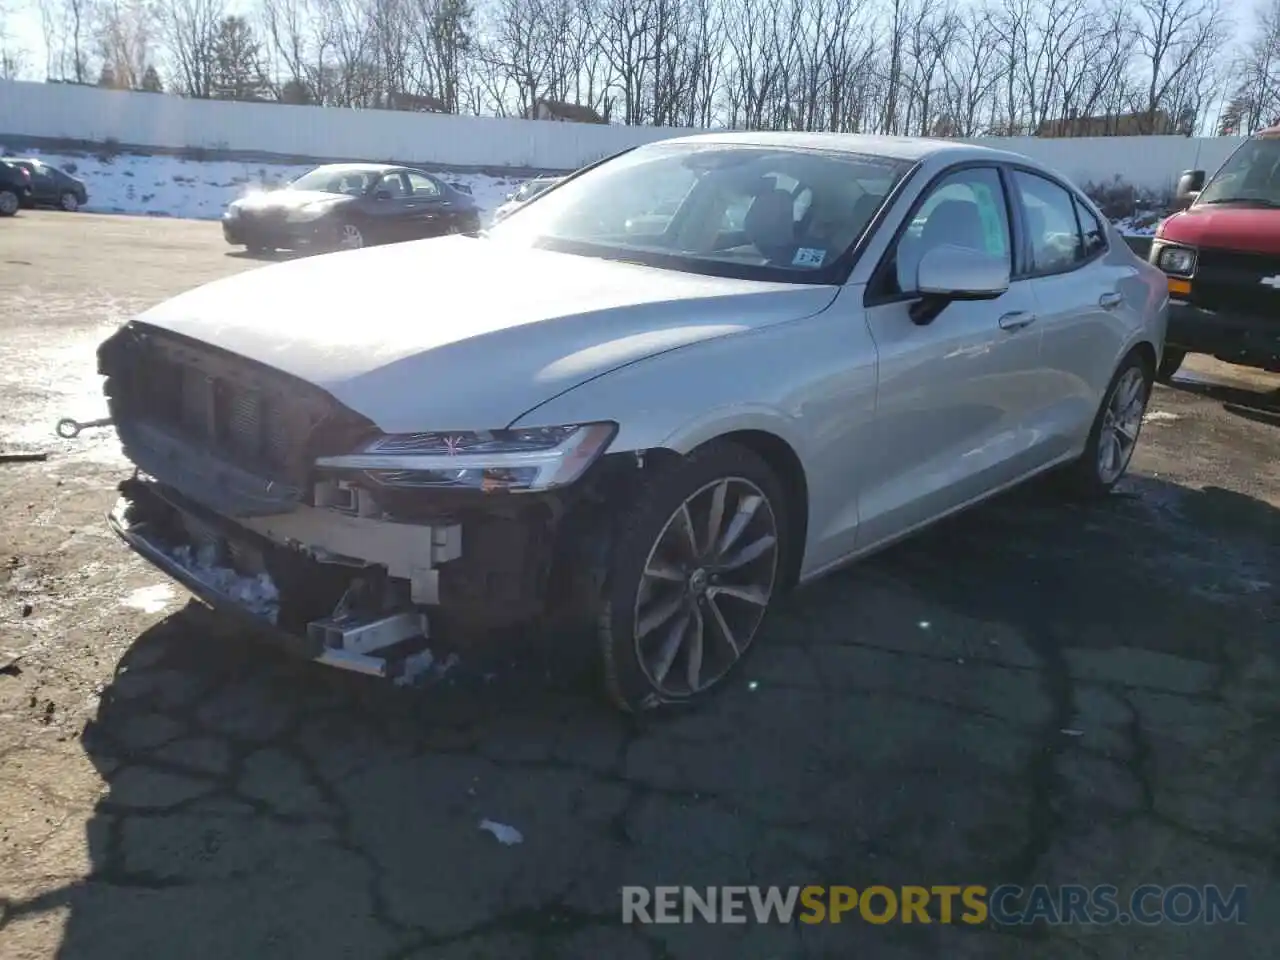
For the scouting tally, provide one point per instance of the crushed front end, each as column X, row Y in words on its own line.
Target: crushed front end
column 267, row 498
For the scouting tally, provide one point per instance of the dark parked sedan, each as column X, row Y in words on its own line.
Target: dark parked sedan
column 51, row 187
column 347, row 206
column 15, row 188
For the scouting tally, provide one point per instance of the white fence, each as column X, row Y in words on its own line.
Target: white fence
column 68, row 112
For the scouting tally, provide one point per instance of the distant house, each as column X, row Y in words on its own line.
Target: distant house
column 1158, row 122
column 563, row 112
column 418, row 103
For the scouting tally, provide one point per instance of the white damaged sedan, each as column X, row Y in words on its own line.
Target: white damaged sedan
column 687, row 379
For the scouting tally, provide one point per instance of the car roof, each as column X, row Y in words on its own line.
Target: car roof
column 912, row 149
column 364, row 167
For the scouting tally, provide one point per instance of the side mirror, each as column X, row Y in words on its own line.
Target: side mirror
column 382, row 195
column 947, row 273
column 1189, row 186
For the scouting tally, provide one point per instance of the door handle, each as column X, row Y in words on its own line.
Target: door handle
column 1017, row 320
column 1109, row 301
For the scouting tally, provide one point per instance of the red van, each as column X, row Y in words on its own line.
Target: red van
column 1222, row 255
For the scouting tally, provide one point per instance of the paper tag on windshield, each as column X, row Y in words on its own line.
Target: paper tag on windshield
column 809, row 257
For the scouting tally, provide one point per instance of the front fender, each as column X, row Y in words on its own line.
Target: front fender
column 680, row 399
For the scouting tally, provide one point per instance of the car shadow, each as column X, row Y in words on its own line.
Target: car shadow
column 254, row 803
column 274, row 256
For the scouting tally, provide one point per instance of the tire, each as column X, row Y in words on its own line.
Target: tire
column 349, row 237
column 259, row 251
column 69, row 202
column 651, row 537
column 1169, row 364
column 9, row 203
column 1087, row 478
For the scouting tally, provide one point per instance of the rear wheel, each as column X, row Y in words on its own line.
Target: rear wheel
column 1169, row 364
column 1115, row 431
column 692, row 575
column 9, row 203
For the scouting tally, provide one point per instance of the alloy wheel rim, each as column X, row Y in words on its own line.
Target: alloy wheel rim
column 69, row 202
column 8, row 202
column 1121, row 424
column 705, row 587
column 351, row 238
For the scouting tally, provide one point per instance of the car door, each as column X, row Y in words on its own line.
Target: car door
column 44, row 188
column 1080, row 308
column 388, row 213
column 952, row 394
column 430, row 211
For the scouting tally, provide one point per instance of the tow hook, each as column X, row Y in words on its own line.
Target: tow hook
column 69, row 429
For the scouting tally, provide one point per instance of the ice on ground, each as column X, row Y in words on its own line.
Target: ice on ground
column 201, row 189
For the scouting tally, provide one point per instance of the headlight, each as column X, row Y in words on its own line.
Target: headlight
column 312, row 211
column 232, row 213
column 1177, row 260
column 527, row 460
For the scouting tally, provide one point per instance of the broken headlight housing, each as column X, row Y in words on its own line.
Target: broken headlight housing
column 518, row 460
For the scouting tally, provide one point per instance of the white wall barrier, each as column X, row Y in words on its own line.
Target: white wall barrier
column 68, row 112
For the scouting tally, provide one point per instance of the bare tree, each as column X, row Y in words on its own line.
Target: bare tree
column 123, row 36
column 1176, row 42
column 188, row 32
column 67, row 26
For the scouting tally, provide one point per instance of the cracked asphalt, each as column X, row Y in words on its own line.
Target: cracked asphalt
column 1029, row 693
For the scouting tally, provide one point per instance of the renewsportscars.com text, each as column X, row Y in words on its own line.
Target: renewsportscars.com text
column 971, row 904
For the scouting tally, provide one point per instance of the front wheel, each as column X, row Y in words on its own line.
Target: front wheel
column 1169, row 364
column 350, row 237
column 693, row 572
column 69, row 202
column 9, row 203
column 1115, row 431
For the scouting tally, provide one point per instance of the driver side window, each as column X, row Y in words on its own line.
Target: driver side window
column 965, row 209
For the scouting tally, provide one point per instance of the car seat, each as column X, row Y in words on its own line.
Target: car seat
column 770, row 226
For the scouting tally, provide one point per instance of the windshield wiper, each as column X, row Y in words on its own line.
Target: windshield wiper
column 1252, row 201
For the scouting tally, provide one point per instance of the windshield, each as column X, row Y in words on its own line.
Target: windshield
column 1250, row 175
column 747, row 211
column 354, row 181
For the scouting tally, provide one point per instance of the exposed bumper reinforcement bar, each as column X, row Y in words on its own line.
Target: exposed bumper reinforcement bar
column 390, row 645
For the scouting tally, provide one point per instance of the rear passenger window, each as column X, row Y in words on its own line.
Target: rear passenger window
column 1095, row 234
column 1056, row 244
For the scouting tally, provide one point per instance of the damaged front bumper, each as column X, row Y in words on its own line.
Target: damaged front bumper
column 352, row 618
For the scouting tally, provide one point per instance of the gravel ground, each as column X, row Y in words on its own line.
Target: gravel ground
column 1030, row 693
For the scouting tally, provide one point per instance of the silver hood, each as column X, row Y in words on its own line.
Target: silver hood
column 458, row 333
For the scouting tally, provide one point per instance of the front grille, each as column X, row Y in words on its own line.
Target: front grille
column 259, row 419
column 1231, row 281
